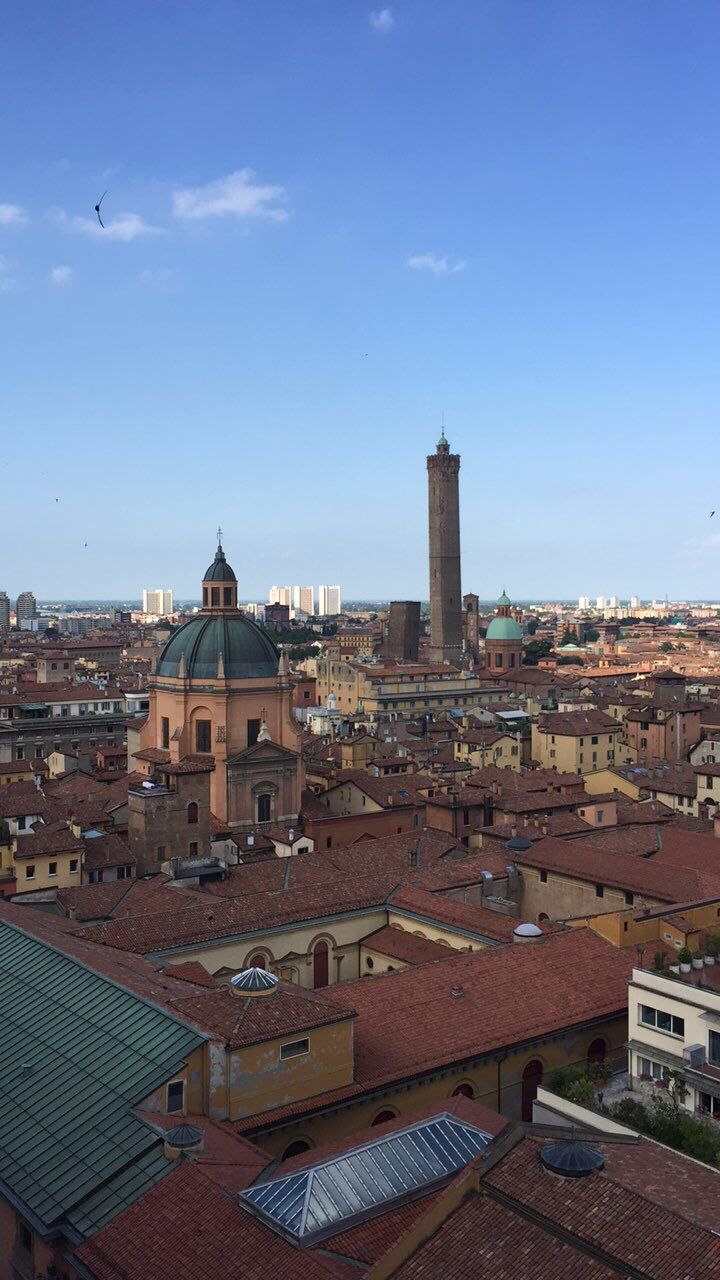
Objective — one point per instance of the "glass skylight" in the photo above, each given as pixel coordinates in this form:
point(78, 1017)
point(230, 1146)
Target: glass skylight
point(325, 1198)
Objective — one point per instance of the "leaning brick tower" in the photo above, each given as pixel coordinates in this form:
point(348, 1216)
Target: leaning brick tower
point(444, 538)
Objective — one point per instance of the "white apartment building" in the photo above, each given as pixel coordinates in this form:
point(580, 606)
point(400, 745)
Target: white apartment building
point(303, 598)
point(328, 601)
point(583, 602)
point(158, 602)
point(674, 1024)
point(280, 595)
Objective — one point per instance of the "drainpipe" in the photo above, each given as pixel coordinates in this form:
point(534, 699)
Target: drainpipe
point(499, 1086)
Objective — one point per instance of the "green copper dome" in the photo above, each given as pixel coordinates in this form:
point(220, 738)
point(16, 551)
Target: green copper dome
point(504, 601)
point(247, 652)
point(504, 629)
point(219, 570)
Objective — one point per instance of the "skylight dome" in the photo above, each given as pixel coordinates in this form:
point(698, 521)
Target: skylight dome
point(324, 1198)
point(253, 982)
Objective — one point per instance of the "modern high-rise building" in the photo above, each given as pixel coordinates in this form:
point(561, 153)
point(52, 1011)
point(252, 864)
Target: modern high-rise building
point(600, 602)
point(4, 611)
point(159, 602)
point(444, 539)
point(303, 598)
point(26, 607)
point(328, 601)
point(583, 602)
point(613, 602)
point(634, 602)
point(280, 595)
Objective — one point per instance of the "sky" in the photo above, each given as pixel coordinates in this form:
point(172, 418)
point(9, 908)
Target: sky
point(330, 225)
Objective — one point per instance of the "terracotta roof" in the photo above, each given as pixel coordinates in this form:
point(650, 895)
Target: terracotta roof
point(242, 1021)
point(47, 841)
point(478, 921)
point(576, 724)
point(585, 860)
point(106, 850)
point(410, 1021)
point(188, 1227)
point(400, 944)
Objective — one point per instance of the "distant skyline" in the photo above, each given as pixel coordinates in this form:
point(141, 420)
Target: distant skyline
point(327, 226)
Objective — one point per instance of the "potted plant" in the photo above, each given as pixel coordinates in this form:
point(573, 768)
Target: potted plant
point(712, 947)
point(674, 968)
point(698, 960)
point(685, 959)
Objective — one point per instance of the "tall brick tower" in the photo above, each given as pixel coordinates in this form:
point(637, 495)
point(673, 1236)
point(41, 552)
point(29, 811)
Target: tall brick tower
point(444, 521)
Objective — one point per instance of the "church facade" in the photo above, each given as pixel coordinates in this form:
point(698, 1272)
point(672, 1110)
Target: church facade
point(221, 694)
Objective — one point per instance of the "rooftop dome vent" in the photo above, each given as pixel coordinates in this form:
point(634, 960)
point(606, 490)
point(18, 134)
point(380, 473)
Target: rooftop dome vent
point(184, 1137)
point(571, 1159)
point(253, 982)
point(518, 844)
point(527, 932)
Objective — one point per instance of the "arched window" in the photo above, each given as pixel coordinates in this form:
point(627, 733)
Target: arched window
point(463, 1091)
point(205, 597)
point(597, 1051)
point(531, 1081)
point(295, 1149)
point(320, 964)
point(192, 811)
point(382, 1117)
point(543, 915)
point(263, 807)
point(256, 962)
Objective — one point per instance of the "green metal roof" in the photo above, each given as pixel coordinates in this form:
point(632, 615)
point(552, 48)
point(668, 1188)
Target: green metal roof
point(77, 1053)
point(247, 651)
point(504, 629)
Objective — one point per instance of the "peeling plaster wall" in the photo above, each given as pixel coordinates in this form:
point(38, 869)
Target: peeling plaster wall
point(260, 1080)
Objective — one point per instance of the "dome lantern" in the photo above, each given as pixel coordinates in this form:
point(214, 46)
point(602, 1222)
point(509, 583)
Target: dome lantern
point(219, 583)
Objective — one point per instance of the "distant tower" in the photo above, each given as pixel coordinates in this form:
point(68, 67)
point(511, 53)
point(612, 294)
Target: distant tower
point(403, 630)
point(26, 607)
point(4, 611)
point(444, 521)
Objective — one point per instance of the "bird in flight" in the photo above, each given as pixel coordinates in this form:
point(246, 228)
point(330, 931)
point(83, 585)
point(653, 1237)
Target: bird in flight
point(97, 209)
point(712, 513)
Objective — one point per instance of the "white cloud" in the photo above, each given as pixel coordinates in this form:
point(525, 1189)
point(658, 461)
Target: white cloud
point(382, 19)
point(12, 215)
point(438, 266)
point(61, 275)
point(124, 227)
point(238, 194)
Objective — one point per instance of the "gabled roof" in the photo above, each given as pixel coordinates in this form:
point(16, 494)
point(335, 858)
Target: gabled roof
point(77, 1053)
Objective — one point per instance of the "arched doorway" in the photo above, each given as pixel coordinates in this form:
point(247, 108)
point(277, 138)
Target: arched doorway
point(382, 1117)
point(192, 811)
point(597, 1051)
point(320, 964)
point(296, 1148)
point(463, 1091)
point(531, 1081)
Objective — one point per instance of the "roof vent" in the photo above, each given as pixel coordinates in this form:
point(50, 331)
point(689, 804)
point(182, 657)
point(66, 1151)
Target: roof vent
point(571, 1159)
point(518, 844)
point(527, 932)
point(253, 982)
point(182, 1137)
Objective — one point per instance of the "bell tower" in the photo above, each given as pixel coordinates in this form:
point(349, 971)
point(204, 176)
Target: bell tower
point(444, 543)
point(219, 588)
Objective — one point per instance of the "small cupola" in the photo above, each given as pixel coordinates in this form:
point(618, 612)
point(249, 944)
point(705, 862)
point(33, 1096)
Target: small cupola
point(254, 982)
point(219, 592)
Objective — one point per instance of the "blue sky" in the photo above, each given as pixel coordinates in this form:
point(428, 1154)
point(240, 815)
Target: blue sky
point(328, 223)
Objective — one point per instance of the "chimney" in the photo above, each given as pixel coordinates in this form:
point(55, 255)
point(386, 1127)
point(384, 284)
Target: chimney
point(545, 828)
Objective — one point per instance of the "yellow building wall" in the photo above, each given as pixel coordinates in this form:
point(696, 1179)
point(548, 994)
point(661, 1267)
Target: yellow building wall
point(565, 1050)
point(444, 934)
point(622, 930)
point(603, 780)
point(570, 754)
point(260, 1080)
point(64, 879)
point(342, 936)
point(563, 896)
point(505, 754)
point(194, 1075)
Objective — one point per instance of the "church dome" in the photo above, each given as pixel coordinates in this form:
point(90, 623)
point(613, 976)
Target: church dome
point(247, 652)
point(504, 629)
point(219, 570)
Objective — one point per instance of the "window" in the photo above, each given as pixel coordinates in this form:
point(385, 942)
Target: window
point(22, 823)
point(123, 873)
point(202, 735)
point(19, 753)
point(227, 596)
point(668, 1023)
point(161, 851)
point(646, 1067)
point(263, 807)
point(296, 1148)
point(629, 899)
point(73, 866)
point(582, 743)
point(205, 597)
point(711, 1104)
point(599, 891)
point(294, 1049)
point(30, 871)
point(466, 817)
point(253, 732)
point(600, 812)
point(38, 753)
point(215, 595)
point(165, 732)
point(95, 877)
point(52, 868)
point(176, 1095)
point(714, 1047)
point(192, 811)
point(543, 877)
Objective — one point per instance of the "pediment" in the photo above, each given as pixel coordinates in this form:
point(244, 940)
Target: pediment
point(263, 753)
